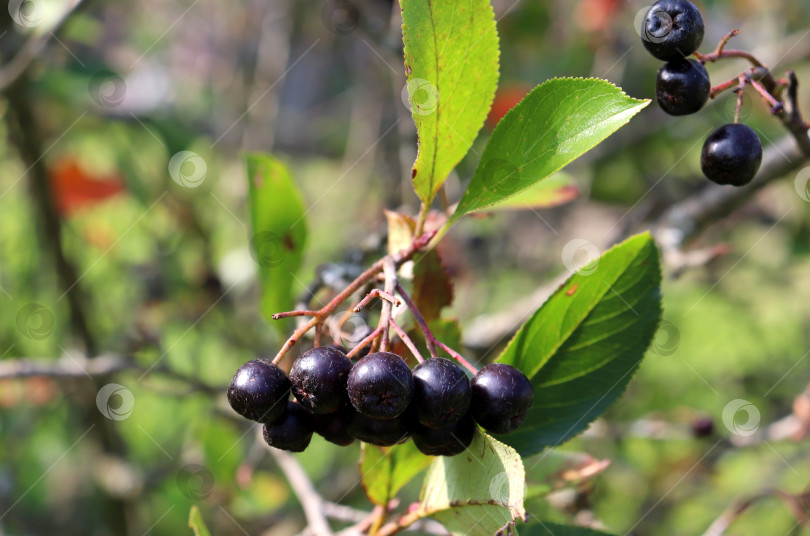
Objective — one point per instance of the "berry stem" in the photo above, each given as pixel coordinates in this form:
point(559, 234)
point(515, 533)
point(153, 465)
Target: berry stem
point(407, 340)
point(420, 321)
point(775, 105)
point(353, 287)
point(738, 109)
point(365, 342)
point(457, 356)
point(390, 271)
point(375, 293)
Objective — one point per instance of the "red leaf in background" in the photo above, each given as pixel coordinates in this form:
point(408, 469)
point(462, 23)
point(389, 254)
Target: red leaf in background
point(595, 15)
point(74, 188)
point(505, 100)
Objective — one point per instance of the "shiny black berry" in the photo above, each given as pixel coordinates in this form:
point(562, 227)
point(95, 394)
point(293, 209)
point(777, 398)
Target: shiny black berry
point(319, 378)
point(383, 433)
point(334, 427)
point(672, 29)
point(441, 394)
point(293, 431)
point(380, 385)
point(501, 397)
point(682, 87)
point(731, 155)
point(447, 441)
point(259, 391)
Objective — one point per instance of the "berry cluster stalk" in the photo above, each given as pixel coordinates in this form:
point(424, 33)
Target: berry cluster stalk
point(346, 293)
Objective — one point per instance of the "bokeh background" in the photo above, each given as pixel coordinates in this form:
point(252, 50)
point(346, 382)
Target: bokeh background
point(125, 235)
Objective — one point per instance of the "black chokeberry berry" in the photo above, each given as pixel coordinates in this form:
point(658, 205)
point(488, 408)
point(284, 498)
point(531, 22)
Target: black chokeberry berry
point(501, 397)
point(731, 155)
point(383, 433)
point(702, 427)
point(447, 441)
point(441, 394)
point(672, 29)
point(380, 385)
point(334, 427)
point(682, 87)
point(259, 391)
point(319, 378)
point(293, 431)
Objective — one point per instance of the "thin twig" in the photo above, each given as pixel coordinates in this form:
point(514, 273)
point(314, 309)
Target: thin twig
point(365, 342)
point(353, 287)
point(310, 499)
point(390, 271)
point(457, 356)
point(407, 340)
point(420, 321)
point(294, 314)
point(375, 293)
point(722, 523)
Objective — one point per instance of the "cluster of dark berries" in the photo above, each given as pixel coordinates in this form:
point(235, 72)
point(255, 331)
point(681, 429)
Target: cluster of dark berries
point(379, 400)
point(673, 30)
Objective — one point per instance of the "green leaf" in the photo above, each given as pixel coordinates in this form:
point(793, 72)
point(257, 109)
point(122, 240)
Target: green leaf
point(196, 523)
point(279, 232)
point(556, 190)
point(477, 492)
point(554, 124)
point(384, 471)
point(451, 62)
point(581, 348)
point(552, 529)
